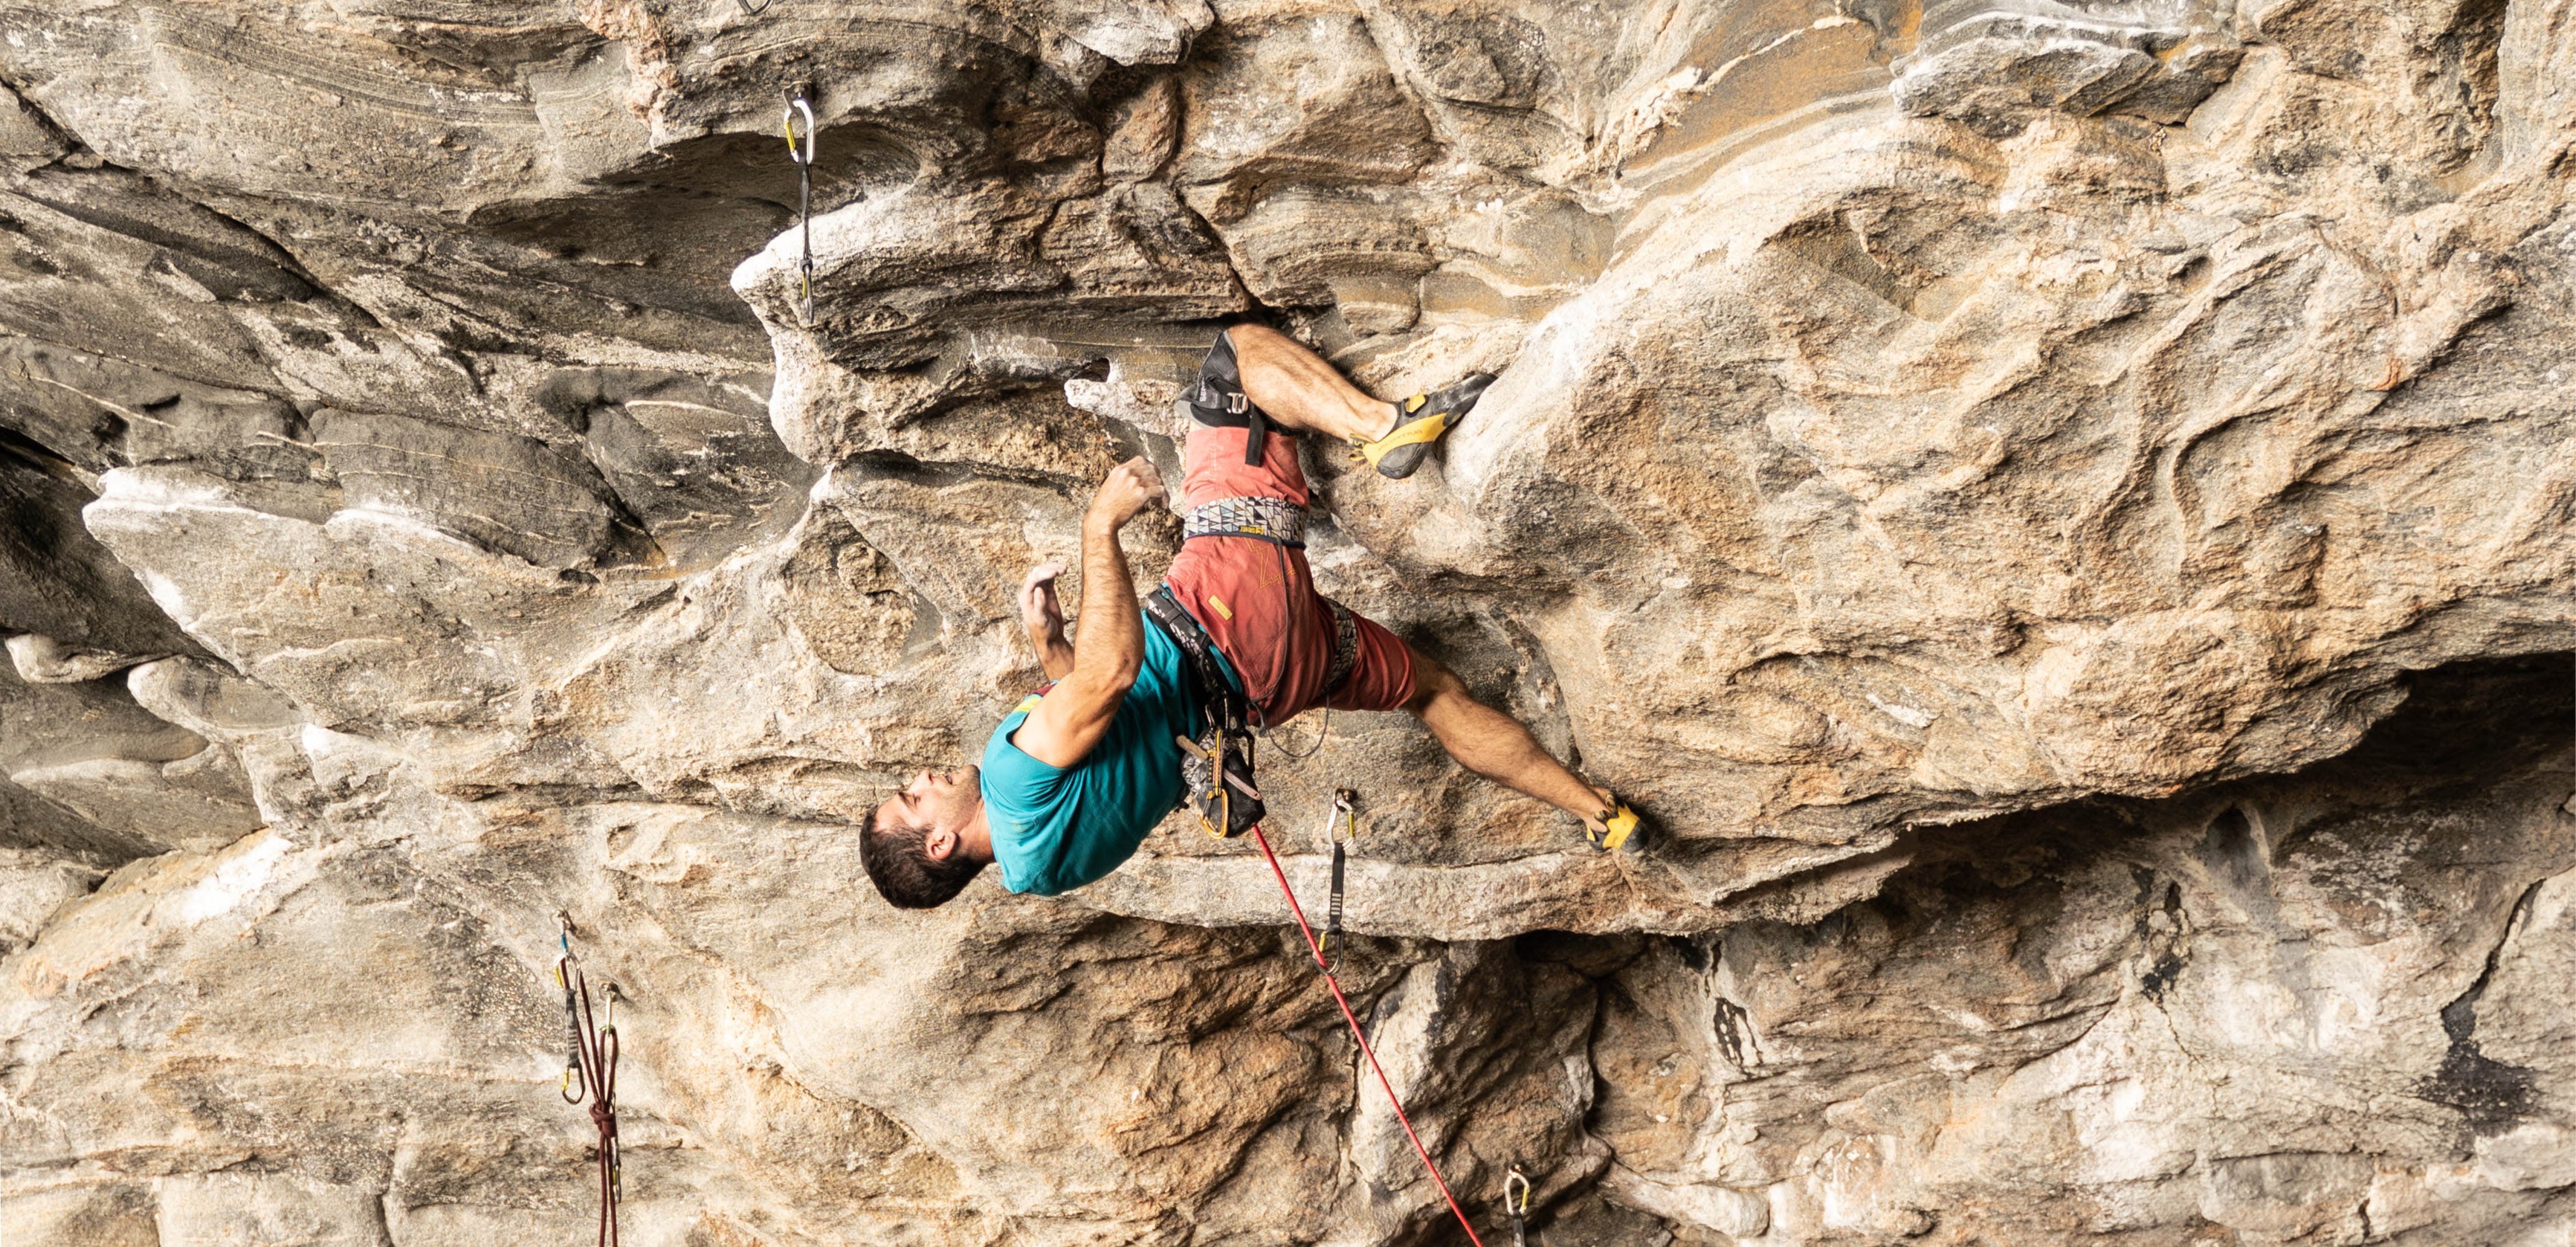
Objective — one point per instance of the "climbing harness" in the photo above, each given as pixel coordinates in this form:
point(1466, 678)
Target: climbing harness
point(1326, 969)
point(1282, 523)
point(1342, 828)
point(802, 152)
point(1275, 520)
point(1516, 1197)
point(1217, 764)
point(590, 1073)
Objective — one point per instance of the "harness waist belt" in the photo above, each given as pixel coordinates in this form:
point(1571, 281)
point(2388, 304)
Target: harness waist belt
point(1275, 520)
point(1208, 687)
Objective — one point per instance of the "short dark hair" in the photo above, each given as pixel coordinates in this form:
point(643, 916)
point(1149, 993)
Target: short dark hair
point(900, 865)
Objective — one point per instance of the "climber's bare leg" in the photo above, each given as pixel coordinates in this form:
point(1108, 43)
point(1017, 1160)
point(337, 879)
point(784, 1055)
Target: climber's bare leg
point(1295, 387)
point(1494, 744)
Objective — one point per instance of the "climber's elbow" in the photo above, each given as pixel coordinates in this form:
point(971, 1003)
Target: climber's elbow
point(1104, 677)
point(1117, 675)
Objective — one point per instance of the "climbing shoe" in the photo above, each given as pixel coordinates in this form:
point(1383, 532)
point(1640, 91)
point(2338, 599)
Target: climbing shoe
point(1619, 829)
point(1419, 421)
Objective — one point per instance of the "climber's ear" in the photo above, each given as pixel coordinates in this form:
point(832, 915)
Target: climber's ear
point(939, 844)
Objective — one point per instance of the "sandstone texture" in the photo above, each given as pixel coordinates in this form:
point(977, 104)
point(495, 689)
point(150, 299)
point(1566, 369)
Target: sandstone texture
point(2061, 508)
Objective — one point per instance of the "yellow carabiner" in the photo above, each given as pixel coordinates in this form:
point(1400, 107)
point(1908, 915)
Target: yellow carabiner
point(1516, 1181)
point(1224, 812)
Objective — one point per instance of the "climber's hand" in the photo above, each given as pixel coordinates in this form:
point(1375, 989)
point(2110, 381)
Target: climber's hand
point(1132, 486)
point(1042, 614)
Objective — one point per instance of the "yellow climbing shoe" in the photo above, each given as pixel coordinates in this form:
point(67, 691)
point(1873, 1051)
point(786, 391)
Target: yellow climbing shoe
point(1619, 829)
point(1419, 421)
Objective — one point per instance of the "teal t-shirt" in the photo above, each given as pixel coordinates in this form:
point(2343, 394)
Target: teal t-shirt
point(1054, 829)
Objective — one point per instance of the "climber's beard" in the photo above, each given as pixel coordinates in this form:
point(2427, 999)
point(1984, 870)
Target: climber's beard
point(954, 797)
point(935, 801)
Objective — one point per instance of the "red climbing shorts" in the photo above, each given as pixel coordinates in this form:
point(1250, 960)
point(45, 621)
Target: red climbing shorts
point(1258, 601)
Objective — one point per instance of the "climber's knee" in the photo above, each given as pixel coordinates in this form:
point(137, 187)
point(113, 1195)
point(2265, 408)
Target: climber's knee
point(1254, 337)
point(1432, 683)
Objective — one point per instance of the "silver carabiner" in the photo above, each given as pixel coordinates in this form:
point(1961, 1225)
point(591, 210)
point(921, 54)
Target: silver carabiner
point(1342, 822)
point(800, 151)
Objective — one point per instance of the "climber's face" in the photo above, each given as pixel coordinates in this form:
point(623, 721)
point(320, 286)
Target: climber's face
point(940, 805)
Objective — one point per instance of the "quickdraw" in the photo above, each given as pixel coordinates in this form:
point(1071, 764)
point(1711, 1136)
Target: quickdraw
point(572, 1079)
point(802, 152)
point(1342, 828)
point(1516, 1201)
point(590, 1073)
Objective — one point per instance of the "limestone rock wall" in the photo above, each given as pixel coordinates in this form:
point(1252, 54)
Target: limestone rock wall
point(2061, 508)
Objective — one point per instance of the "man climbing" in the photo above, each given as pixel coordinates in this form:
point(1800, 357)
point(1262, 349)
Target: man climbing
point(1075, 777)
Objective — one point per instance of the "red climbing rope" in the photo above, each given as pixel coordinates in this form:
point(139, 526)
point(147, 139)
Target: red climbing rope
point(1371, 1053)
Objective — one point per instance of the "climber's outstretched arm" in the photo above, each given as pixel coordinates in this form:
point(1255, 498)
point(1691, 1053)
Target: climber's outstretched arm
point(1110, 645)
point(1494, 744)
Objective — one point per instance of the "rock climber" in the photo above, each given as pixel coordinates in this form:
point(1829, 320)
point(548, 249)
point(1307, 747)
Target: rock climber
point(1079, 772)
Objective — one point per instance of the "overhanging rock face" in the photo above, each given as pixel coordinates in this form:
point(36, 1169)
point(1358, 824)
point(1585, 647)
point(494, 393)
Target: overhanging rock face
point(2062, 509)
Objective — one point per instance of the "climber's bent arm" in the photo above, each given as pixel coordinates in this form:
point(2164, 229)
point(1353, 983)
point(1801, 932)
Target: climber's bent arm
point(1109, 645)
